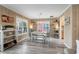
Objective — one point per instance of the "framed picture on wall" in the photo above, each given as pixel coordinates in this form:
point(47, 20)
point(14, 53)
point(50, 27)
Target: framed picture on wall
point(7, 19)
point(4, 18)
point(67, 20)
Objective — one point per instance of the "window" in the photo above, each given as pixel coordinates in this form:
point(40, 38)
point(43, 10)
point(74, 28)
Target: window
point(21, 25)
point(43, 26)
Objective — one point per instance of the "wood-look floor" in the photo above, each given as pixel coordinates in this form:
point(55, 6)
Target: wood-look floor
point(35, 47)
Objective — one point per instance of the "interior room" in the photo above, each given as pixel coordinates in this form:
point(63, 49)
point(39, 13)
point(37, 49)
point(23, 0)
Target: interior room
point(39, 29)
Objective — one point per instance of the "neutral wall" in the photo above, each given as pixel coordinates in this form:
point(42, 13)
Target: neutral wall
point(10, 13)
point(68, 28)
point(75, 25)
point(71, 31)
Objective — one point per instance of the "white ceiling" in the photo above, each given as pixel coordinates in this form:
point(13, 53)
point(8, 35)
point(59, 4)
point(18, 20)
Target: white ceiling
point(33, 10)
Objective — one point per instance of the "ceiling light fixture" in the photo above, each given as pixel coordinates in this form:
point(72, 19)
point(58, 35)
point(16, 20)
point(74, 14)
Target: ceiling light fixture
point(40, 15)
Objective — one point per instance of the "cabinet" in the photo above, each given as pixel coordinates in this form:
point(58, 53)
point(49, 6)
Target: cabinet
point(7, 32)
point(77, 49)
point(54, 28)
point(8, 39)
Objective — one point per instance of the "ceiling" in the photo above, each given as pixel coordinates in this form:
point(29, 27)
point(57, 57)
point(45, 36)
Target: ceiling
point(35, 11)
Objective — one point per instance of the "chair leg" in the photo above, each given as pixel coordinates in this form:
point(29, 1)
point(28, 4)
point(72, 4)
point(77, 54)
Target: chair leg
point(44, 40)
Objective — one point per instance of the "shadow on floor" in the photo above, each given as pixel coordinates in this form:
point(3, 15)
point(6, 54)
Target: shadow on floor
point(55, 46)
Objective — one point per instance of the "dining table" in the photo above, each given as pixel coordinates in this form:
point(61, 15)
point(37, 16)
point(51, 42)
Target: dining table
point(38, 36)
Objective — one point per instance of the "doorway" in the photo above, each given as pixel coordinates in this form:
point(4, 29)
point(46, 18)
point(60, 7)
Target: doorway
point(62, 28)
